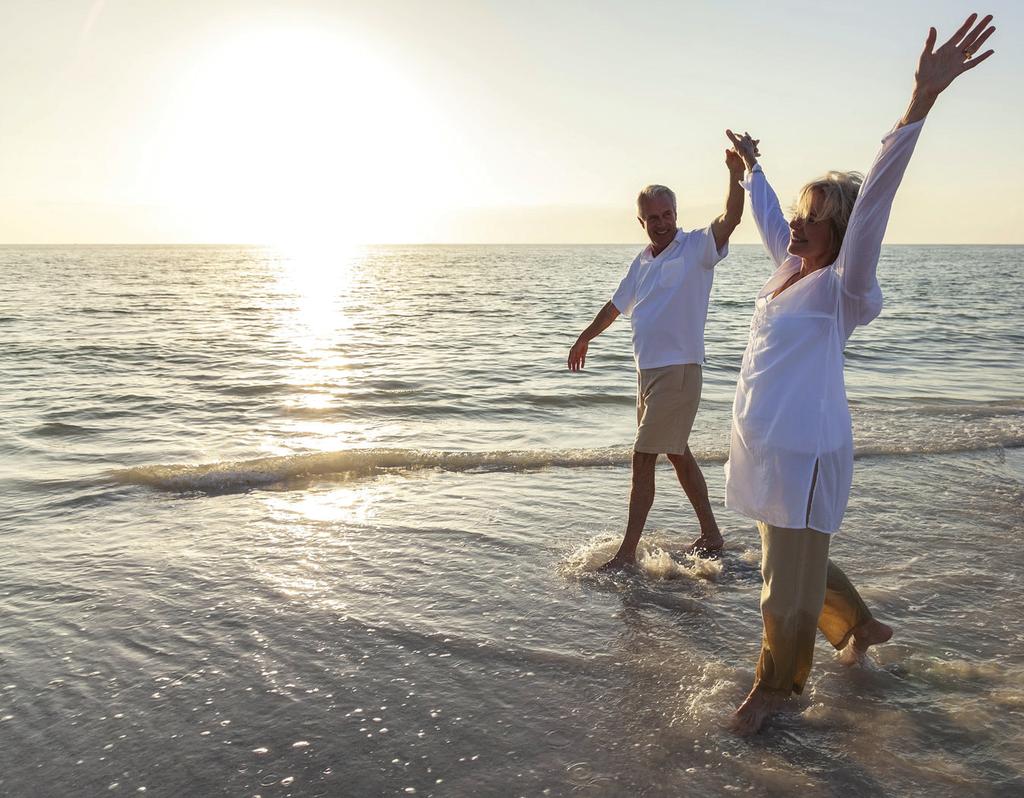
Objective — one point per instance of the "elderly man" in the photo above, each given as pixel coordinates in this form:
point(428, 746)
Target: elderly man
point(665, 296)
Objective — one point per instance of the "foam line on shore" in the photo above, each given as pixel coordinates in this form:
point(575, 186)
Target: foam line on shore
point(264, 471)
point(236, 475)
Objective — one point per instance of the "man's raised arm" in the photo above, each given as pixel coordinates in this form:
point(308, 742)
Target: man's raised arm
point(723, 226)
point(578, 353)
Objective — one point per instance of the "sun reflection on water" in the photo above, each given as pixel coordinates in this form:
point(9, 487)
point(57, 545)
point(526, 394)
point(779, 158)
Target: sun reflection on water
point(314, 534)
point(352, 505)
point(318, 283)
point(314, 289)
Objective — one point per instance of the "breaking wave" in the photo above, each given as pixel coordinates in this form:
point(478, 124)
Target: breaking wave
point(240, 475)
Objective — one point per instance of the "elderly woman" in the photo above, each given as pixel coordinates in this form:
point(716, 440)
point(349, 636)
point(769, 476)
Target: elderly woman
point(791, 454)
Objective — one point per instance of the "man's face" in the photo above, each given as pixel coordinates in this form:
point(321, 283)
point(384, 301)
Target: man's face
point(658, 218)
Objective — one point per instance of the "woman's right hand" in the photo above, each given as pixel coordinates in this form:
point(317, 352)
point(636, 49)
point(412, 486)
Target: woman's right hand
point(746, 147)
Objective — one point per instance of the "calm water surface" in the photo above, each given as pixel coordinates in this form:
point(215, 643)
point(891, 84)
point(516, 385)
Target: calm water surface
point(328, 526)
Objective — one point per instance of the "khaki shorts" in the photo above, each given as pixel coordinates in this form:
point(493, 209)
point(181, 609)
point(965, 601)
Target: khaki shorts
point(666, 404)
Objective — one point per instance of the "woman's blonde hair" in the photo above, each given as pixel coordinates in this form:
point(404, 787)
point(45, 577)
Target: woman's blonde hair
point(838, 194)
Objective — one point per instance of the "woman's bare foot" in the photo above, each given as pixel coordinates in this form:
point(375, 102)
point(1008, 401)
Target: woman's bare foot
point(870, 634)
point(755, 710)
point(864, 636)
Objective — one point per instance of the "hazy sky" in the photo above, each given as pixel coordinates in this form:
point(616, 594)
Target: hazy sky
point(477, 120)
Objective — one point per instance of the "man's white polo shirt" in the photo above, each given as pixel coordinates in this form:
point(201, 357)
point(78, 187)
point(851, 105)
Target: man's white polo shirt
point(666, 299)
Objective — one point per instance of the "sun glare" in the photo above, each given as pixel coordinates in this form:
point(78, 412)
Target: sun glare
point(316, 284)
point(300, 139)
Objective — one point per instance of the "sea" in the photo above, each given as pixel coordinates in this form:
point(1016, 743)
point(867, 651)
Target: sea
point(328, 524)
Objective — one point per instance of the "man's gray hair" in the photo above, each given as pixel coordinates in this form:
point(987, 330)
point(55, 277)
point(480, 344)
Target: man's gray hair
point(652, 191)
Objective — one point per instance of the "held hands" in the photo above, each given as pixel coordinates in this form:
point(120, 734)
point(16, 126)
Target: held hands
point(745, 148)
point(936, 69)
point(578, 355)
point(734, 163)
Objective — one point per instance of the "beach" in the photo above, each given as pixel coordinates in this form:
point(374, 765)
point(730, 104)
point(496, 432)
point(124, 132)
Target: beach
point(329, 525)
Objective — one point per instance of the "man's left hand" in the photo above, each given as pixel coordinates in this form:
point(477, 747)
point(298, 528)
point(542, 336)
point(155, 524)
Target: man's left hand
point(734, 161)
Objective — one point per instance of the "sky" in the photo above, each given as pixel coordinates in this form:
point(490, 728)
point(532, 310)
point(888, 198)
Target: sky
point(477, 121)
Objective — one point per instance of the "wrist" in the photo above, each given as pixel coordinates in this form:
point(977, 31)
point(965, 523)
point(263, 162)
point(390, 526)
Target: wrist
point(923, 98)
point(924, 93)
point(921, 102)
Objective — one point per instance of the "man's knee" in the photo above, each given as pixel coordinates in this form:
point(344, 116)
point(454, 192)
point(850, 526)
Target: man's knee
point(644, 459)
point(643, 467)
point(686, 469)
point(679, 459)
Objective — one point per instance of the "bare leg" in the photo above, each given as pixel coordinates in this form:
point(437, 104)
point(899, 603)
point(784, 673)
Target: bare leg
point(641, 497)
point(692, 480)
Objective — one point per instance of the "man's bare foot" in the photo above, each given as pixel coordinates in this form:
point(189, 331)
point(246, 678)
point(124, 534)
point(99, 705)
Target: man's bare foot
point(707, 544)
point(755, 710)
point(617, 563)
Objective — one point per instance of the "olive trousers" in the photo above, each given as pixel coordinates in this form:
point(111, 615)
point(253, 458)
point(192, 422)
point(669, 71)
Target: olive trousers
point(803, 591)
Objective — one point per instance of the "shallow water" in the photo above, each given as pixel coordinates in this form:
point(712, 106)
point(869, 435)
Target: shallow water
point(277, 531)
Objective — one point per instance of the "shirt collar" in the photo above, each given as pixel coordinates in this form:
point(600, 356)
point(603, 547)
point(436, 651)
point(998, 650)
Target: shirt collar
point(647, 256)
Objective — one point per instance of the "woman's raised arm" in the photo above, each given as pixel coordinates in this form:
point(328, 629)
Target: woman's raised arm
point(764, 204)
point(936, 70)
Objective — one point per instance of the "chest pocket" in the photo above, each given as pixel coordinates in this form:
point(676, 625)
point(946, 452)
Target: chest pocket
point(673, 271)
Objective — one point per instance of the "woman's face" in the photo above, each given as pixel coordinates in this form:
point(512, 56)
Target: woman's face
point(809, 237)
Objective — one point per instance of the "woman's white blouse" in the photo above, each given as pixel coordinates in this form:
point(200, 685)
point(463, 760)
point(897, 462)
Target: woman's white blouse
point(791, 428)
